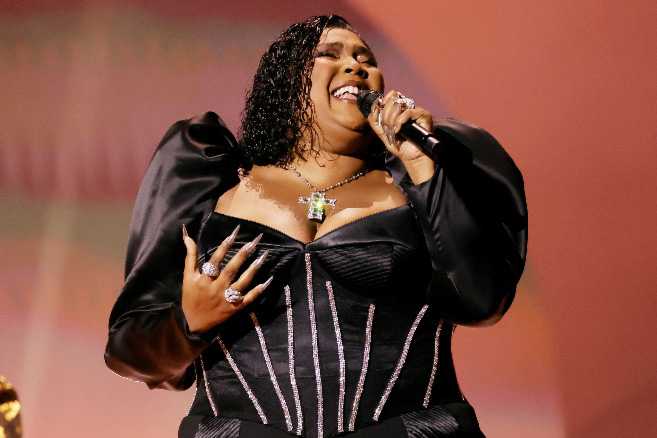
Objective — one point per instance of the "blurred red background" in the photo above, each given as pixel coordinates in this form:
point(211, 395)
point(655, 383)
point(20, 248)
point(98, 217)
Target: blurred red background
point(568, 88)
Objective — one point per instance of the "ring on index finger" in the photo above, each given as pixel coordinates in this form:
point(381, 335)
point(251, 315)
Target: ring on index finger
point(209, 269)
point(405, 101)
point(233, 296)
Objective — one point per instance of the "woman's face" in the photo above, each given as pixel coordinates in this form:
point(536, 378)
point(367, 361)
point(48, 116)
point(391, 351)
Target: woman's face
point(343, 66)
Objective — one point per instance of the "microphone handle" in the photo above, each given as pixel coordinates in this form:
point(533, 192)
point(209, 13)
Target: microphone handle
point(423, 138)
point(410, 130)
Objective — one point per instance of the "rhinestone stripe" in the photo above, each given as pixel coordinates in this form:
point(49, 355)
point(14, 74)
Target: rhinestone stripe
point(338, 338)
point(434, 367)
point(363, 371)
point(245, 385)
point(290, 354)
point(270, 368)
point(313, 333)
point(207, 388)
point(400, 363)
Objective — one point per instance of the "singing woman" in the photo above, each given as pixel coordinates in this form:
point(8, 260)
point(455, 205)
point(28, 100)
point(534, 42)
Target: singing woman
point(308, 278)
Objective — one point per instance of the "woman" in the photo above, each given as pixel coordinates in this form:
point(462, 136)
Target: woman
point(333, 262)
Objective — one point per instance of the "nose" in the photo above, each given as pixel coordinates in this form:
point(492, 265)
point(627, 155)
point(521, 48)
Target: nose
point(355, 67)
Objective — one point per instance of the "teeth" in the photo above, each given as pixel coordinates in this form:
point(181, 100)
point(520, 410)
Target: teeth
point(351, 89)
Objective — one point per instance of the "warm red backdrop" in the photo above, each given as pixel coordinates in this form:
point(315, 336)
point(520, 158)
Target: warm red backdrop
point(567, 87)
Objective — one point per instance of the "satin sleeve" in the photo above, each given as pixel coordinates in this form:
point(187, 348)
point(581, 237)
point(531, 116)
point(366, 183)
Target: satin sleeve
point(473, 215)
point(149, 339)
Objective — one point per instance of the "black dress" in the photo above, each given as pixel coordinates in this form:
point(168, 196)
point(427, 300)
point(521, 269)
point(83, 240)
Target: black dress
point(353, 335)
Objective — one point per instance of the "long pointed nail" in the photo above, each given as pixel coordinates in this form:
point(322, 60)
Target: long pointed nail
point(252, 244)
point(231, 237)
point(260, 259)
point(266, 283)
point(184, 231)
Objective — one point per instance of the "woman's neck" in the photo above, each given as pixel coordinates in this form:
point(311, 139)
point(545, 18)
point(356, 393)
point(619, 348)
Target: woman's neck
point(328, 168)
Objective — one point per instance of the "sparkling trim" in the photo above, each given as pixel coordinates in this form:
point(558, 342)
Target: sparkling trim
point(207, 387)
point(313, 333)
point(290, 354)
point(245, 385)
point(270, 368)
point(363, 371)
point(338, 338)
point(400, 363)
point(434, 367)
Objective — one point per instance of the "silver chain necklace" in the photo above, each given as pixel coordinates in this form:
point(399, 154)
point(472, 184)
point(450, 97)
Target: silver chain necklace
point(317, 201)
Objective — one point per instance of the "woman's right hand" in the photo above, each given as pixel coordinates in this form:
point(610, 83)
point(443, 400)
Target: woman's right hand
point(203, 301)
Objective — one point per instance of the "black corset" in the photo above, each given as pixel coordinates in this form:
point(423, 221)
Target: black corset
point(343, 337)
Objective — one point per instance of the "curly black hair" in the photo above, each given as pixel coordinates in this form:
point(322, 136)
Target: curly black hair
point(279, 111)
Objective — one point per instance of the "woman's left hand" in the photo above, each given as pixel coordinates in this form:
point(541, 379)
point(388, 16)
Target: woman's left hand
point(393, 115)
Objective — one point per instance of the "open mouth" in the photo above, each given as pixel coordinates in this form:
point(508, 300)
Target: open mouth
point(348, 93)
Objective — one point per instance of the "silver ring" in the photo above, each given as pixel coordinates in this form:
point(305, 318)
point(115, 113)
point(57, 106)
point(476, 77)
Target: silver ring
point(233, 296)
point(406, 101)
point(209, 269)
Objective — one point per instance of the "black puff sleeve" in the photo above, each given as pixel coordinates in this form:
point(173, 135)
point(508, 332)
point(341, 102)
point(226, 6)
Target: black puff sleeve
point(149, 339)
point(474, 216)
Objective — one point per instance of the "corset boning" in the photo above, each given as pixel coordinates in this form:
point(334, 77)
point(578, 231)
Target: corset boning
point(342, 338)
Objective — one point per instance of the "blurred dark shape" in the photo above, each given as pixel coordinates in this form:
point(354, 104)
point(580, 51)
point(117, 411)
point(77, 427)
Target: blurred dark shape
point(10, 411)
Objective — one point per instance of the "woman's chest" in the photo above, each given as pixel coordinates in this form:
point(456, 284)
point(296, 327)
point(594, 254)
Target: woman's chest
point(306, 215)
point(377, 256)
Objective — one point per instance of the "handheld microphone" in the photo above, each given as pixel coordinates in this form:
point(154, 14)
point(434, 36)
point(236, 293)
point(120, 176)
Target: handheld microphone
point(410, 130)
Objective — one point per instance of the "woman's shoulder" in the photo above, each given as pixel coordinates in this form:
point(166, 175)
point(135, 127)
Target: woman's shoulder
point(194, 163)
point(466, 142)
point(206, 133)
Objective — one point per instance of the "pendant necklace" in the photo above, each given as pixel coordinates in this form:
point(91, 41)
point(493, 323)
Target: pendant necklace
point(317, 200)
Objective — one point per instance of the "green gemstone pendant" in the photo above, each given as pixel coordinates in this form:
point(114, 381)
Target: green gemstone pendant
point(317, 203)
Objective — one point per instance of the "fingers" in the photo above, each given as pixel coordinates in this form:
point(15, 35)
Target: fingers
point(230, 270)
point(417, 114)
point(373, 119)
point(255, 293)
point(380, 113)
point(391, 109)
point(190, 258)
point(223, 248)
point(388, 118)
point(384, 119)
point(204, 300)
point(247, 276)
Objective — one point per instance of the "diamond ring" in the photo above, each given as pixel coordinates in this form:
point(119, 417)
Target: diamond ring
point(209, 269)
point(405, 101)
point(233, 296)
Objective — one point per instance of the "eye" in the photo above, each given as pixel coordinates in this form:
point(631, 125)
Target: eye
point(327, 53)
point(366, 60)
